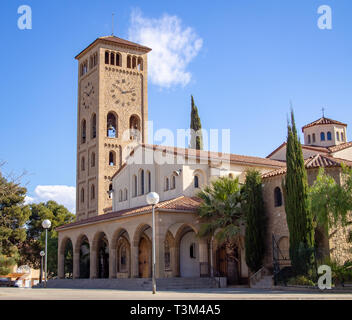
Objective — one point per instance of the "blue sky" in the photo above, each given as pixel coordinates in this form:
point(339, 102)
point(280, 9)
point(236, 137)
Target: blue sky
point(255, 56)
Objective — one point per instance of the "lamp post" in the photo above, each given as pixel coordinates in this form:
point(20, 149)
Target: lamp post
point(42, 254)
point(153, 199)
point(46, 224)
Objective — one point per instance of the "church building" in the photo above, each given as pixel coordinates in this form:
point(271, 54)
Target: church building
point(117, 168)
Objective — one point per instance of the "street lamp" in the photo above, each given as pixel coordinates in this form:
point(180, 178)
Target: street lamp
point(153, 199)
point(46, 224)
point(42, 254)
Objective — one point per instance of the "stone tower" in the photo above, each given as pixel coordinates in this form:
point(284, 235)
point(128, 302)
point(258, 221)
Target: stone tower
point(112, 115)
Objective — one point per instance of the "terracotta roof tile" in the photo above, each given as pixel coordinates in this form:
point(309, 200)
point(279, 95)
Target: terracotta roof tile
point(322, 121)
point(340, 147)
point(203, 154)
point(179, 204)
point(316, 161)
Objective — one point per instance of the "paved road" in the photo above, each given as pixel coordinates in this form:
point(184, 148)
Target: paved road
point(200, 294)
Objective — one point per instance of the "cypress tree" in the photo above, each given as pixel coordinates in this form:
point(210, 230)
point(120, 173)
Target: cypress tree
point(196, 126)
point(255, 220)
point(298, 214)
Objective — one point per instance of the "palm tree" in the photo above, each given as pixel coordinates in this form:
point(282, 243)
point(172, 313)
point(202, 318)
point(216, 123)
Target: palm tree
point(221, 216)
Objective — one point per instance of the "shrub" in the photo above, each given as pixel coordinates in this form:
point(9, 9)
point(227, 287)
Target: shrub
point(301, 281)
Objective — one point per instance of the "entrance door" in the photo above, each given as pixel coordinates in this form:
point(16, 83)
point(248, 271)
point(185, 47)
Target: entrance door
point(222, 261)
point(143, 259)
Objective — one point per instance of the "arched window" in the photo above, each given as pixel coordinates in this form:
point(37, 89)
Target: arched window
point(94, 126)
point(309, 142)
point(149, 182)
point(141, 182)
point(112, 58)
point(126, 194)
point(173, 182)
point(92, 160)
point(110, 191)
point(342, 137)
point(83, 131)
point(134, 127)
point(140, 64)
point(329, 135)
point(120, 195)
point(82, 195)
point(118, 59)
point(106, 57)
point(167, 184)
point(92, 192)
point(196, 181)
point(134, 63)
point(111, 125)
point(112, 158)
point(322, 136)
point(313, 136)
point(83, 164)
point(134, 186)
point(277, 197)
point(128, 61)
point(167, 254)
point(337, 136)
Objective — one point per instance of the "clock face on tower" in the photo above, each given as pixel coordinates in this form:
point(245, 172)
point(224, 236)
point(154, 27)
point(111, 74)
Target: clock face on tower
point(124, 92)
point(87, 95)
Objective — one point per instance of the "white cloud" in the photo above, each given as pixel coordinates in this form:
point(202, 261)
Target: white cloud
point(65, 195)
point(174, 46)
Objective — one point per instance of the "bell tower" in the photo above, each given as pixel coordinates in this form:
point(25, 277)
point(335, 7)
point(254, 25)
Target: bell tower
point(112, 114)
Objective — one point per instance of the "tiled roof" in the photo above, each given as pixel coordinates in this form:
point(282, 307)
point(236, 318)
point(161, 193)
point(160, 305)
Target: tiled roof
point(340, 147)
point(321, 121)
point(304, 146)
point(209, 155)
point(316, 161)
point(331, 149)
point(179, 204)
point(116, 40)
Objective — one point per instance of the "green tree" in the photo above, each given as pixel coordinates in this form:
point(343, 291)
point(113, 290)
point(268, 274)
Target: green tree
point(196, 126)
point(13, 217)
point(331, 202)
point(221, 214)
point(298, 214)
point(58, 215)
point(255, 220)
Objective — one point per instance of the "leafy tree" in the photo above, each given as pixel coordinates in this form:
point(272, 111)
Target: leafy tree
point(331, 204)
point(5, 264)
point(58, 215)
point(255, 220)
point(298, 214)
point(13, 217)
point(221, 214)
point(196, 126)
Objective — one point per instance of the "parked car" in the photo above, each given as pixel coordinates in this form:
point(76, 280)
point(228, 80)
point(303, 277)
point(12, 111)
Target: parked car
point(7, 282)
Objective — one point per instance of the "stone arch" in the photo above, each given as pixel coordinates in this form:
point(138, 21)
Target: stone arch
point(142, 242)
point(180, 254)
point(82, 252)
point(100, 249)
point(135, 127)
point(66, 257)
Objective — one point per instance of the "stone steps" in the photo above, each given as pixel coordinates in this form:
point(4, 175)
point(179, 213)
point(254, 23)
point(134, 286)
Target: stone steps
point(266, 282)
point(135, 283)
